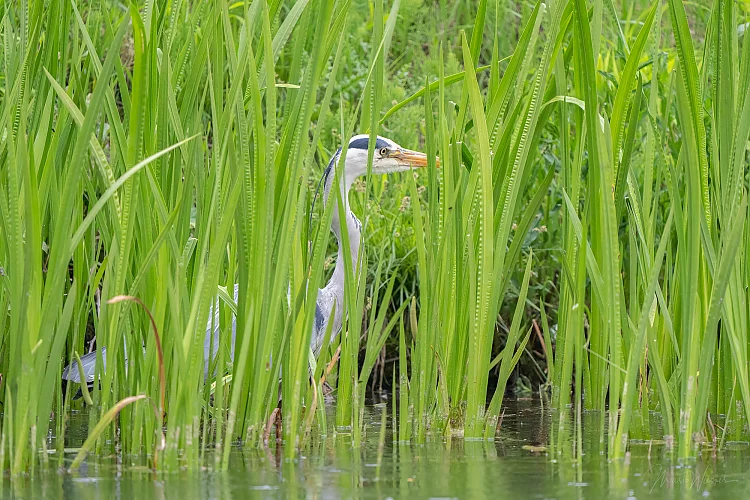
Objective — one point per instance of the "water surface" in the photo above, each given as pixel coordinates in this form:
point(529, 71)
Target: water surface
point(518, 464)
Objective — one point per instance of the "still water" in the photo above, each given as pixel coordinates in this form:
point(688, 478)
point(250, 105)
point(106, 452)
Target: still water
point(518, 464)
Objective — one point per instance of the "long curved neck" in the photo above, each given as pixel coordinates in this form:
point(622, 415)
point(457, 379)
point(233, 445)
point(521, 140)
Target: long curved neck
point(353, 233)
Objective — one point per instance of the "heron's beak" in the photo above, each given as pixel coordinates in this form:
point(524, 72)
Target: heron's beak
point(409, 158)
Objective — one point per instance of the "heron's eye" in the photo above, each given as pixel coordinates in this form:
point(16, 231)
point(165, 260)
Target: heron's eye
point(383, 152)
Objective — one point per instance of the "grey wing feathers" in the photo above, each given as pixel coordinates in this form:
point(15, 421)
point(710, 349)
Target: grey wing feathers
point(89, 366)
point(323, 306)
point(70, 372)
point(213, 314)
point(89, 360)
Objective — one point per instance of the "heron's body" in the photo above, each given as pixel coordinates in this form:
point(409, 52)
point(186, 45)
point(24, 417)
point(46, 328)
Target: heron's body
point(389, 157)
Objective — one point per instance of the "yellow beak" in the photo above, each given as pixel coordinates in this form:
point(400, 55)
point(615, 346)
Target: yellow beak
point(412, 158)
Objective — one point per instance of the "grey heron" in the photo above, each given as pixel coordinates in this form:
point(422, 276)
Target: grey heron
point(388, 157)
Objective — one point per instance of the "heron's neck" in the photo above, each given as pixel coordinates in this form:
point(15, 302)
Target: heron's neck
point(353, 233)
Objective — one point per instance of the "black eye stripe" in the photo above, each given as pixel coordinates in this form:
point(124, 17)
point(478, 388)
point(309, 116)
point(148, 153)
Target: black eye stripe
point(364, 142)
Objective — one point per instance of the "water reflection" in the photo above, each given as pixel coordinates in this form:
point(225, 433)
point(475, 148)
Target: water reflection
point(517, 464)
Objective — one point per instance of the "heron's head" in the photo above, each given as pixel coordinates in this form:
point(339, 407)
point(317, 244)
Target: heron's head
point(388, 157)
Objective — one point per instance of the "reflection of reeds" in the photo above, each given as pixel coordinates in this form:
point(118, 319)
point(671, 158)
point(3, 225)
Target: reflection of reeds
point(182, 171)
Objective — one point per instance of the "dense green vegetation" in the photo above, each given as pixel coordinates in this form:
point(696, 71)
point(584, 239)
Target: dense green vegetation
point(586, 233)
